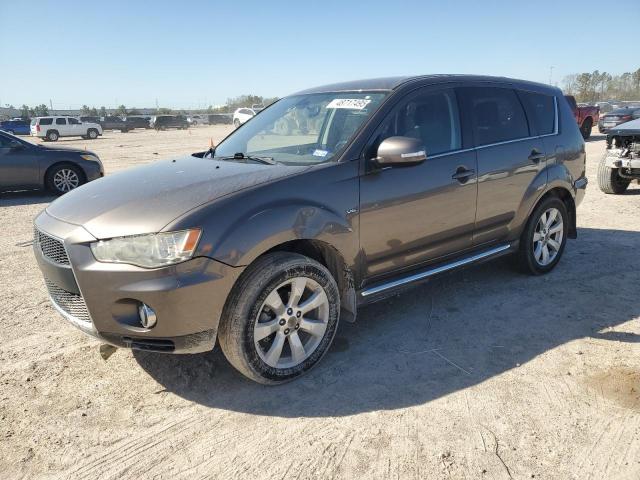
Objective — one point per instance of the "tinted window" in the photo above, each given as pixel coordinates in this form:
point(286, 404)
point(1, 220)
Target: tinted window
point(61, 121)
point(496, 114)
point(541, 110)
point(46, 121)
point(73, 121)
point(431, 117)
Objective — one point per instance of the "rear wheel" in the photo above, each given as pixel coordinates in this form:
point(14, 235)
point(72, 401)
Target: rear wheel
point(92, 133)
point(543, 240)
point(53, 136)
point(585, 129)
point(280, 318)
point(64, 178)
point(236, 123)
point(609, 180)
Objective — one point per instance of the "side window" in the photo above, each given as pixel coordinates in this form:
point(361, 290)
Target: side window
point(46, 121)
point(496, 114)
point(541, 110)
point(429, 116)
point(61, 121)
point(73, 121)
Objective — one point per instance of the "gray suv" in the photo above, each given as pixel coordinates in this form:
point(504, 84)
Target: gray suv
point(329, 199)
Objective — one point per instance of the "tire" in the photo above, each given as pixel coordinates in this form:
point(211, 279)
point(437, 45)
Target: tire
point(531, 260)
point(53, 135)
point(585, 129)
point(609, 180)
point(92, 133)
point(236, 123)
point(264, 283)
point(63, 178)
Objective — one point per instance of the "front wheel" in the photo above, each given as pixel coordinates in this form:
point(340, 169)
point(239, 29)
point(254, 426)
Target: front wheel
point(92, 133)
point(609, 180)
point(280, 318)
point(236, 123)
point(545, 235)
point(64, 178)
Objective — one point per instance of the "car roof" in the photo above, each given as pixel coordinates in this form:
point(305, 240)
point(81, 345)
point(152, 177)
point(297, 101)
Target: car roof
point(394, 83)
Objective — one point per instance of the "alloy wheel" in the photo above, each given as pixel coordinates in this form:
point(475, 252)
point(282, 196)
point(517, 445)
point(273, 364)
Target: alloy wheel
point(291, 322)
point(547, 237)
point(66, 180)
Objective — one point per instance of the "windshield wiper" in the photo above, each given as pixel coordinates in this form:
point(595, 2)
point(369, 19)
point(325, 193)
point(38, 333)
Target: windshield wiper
point(242, 156)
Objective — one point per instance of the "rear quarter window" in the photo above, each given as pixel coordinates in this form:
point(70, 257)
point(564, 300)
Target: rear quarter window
point(46, 121)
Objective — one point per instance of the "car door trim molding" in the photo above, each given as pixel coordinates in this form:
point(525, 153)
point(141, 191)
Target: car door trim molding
point(434, 271)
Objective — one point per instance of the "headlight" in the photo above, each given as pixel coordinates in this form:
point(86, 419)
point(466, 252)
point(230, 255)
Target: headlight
point(148, 251)
point(91, 158)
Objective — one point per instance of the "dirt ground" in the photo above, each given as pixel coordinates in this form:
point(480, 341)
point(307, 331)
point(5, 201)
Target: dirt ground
point(482, 374)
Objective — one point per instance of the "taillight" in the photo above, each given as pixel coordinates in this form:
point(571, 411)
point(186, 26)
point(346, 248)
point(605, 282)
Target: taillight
point(625, 117)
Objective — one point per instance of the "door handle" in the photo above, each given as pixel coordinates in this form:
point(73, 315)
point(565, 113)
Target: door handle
point(462, 174)
point(536, 156)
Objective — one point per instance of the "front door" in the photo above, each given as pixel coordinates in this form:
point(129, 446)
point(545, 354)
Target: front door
point(415, 214)
point(18, 164)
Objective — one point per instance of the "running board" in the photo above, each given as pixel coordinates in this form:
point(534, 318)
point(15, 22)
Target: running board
point(434, 271)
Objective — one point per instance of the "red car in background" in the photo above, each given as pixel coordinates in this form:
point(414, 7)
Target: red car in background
point(586, 116)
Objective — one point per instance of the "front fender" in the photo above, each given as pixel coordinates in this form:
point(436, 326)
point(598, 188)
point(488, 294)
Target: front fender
point(275, 224)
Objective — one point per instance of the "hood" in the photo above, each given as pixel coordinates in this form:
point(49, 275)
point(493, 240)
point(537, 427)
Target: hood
point(80, 151)
point(146, 198)
point(628, 128)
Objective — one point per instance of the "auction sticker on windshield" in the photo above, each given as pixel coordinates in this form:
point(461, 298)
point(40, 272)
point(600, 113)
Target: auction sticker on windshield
point(351, 103)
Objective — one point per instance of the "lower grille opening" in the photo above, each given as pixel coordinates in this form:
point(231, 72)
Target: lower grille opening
point(68, 302)
point(150, 344)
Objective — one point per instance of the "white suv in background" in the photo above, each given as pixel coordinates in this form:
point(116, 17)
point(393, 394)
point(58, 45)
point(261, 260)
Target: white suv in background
point(52, 128)
point(242, 115)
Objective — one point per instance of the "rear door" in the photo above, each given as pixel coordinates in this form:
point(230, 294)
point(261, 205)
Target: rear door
point(61, 126)
point(75, 127)
point(510, 158)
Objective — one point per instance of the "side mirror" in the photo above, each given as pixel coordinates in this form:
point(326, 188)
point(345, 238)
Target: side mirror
point(399, 151)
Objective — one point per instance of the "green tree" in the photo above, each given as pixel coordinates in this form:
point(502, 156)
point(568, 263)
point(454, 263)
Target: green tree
point(85, 110)
point(41, 110)
point(25, 111)
point(121, 110)
point(93, 112)
point(164, 111)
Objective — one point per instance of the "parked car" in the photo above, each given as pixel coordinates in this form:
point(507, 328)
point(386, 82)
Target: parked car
point(586, 116)
point(52, 128)
point(617, 117)
point(137, 122)
point(257, 107)
point(243, 115)
point(15, 127)
point(265, 245)
point(24, 165)
point(114, 123)
point(621, 163)
point(89, 119)
point(604, 107)
point(162, 122)
point(197, 120)
point(220, 118)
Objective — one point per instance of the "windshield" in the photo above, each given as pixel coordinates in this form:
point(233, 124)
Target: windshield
point(303, 129)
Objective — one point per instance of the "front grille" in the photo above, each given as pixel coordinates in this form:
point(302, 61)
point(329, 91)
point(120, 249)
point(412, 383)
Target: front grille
point(51, 248)
point(69, 302)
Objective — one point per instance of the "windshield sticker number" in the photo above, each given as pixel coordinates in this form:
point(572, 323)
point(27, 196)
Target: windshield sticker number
point(320, 153)
point(350, 103)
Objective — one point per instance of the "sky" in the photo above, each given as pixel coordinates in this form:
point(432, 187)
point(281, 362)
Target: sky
point(190, 54)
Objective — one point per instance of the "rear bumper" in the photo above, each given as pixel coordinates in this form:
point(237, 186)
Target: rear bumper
point(102, 299)
point(580, 186)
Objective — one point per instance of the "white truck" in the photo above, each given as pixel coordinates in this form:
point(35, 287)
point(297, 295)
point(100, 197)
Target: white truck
point(52, 128)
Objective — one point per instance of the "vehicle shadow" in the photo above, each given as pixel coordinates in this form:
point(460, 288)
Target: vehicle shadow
point(455, 332)
point(596, 137)
point(25, 197)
